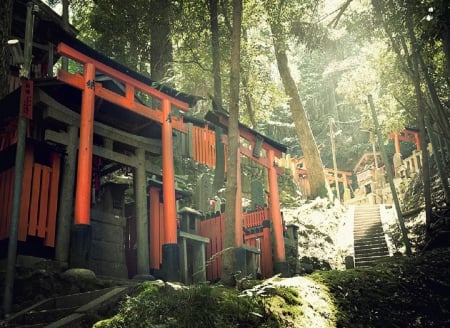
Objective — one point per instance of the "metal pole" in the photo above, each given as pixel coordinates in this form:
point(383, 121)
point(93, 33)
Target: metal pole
point(18, 173)
point(390, 178)
point(333, 152)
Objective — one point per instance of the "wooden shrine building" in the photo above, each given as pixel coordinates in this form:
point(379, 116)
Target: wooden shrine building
point(100, 119)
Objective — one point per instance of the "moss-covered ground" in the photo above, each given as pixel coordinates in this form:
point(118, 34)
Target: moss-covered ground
point(399, 292)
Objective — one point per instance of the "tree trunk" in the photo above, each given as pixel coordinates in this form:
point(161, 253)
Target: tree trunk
point(219, 173)
point(5, 29)
point(446, 34)
point(65, 19)
point(229, 266)
point(313, 162)
point(161, 54)
point(420, 118)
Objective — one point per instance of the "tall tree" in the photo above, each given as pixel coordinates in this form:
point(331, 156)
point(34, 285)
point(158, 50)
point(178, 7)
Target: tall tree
point(229, 265)
point(219, 173)
point(5, 33)
point(161, 53)
point(316, 176)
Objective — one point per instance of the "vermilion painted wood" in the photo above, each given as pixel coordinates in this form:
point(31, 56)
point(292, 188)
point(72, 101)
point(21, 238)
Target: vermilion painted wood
point(248, 153)
point(170, 214)
point(35, 196)
point(26, 193)
point(275, 214)
point(68, 51)
point(405, 135)
point(6, 180)
point(266, 254)
point(214, 229)
point(53, 200)
point(84, 165)
point(154, 228)
point(251, 138)
point(162, 227)
point(43, 201)
point(124, 102)
point(220, 239)
point(238, 220)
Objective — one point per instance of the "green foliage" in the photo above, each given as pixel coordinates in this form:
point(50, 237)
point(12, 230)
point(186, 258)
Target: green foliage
point(195, 306)
point(398, 292)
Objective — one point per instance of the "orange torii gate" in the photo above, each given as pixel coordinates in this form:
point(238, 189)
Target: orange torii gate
point(273, 149)
point(408, 135)
point(331, 175)
point(90, 90)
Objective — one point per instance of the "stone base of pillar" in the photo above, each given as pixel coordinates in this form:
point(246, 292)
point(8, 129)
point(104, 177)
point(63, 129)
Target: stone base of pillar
point(245, 258)
point(241, 262)
point(171, 262)
point(283, 268)
point(80, 246)
point(349, 262)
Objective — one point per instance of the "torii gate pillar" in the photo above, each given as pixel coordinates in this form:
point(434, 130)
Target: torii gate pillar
point(280, 264)
point(170, 250)
point(81, 232)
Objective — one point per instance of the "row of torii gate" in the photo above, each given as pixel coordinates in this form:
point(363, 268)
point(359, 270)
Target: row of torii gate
point(92, 90)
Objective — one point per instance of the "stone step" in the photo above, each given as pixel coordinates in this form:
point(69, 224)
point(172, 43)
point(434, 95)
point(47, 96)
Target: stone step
point(359, 254)
point(369, 242)
point(367, 215)
point(362, 248)
point(367, 228)
point(369, 234)
point(370, 239)
point(368, 262)
point(367, 219)
point(364, 223)
point(67, 310)
point(43, 316)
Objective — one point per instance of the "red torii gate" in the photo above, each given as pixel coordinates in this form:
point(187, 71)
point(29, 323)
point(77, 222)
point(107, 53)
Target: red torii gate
point(258, 142)
point(408, 135)
point(91, 89)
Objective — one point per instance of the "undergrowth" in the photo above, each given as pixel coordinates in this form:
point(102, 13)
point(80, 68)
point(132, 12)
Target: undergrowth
point(201, 305)
point(399, 292)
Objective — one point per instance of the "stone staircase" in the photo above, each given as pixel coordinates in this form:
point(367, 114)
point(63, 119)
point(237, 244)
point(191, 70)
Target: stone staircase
point(369, 240)
point(77, 310)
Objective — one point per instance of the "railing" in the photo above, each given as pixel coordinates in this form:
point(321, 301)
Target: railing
point(255, 219)
point(214, 229)
point(38, 205)
point(204, 146)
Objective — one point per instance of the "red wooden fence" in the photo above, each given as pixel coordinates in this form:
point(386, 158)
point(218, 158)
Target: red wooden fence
point(214, 229)
point(38, 205)
point(204, 146)
point(258, 237)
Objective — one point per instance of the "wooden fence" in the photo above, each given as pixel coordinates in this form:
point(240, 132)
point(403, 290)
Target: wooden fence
point(256, 234)
point(204, 146)
point(39, 199)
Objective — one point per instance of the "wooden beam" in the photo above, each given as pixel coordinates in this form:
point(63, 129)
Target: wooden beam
point(250, 137)
point(67, 51)
point(59, 112)
point(248, 153)
point(129, 160)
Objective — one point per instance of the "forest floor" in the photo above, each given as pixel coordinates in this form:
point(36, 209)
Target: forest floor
point(398, 292)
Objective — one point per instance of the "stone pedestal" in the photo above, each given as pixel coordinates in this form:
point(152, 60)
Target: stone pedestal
point(108, 222)
point(246, 260)
point(192, 257)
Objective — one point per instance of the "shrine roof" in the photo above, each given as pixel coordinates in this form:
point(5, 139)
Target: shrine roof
point(217, 117)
